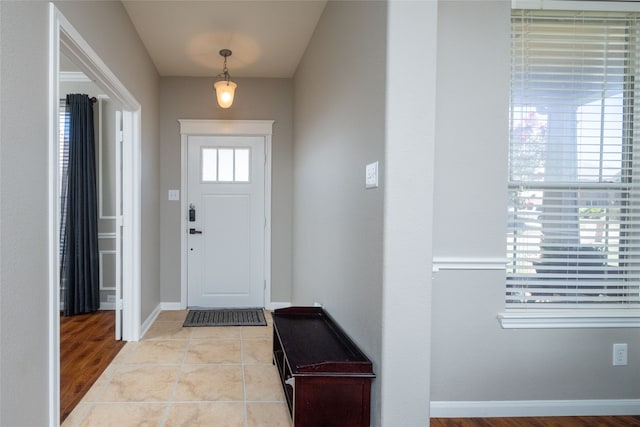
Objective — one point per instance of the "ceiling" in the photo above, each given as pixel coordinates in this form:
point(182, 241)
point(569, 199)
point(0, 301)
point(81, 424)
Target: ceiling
point(267, 37)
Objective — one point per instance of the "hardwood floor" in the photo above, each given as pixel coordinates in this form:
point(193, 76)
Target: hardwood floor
point(87, 346)
point(628, 421)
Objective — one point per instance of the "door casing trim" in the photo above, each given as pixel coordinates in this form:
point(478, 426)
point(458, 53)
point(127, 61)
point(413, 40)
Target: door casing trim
point(263, 128)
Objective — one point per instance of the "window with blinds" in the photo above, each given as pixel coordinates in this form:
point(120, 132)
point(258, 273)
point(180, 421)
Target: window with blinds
point(573, 234)
point(63, 162)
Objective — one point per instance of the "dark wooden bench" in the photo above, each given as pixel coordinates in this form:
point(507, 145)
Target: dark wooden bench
point(325, 377)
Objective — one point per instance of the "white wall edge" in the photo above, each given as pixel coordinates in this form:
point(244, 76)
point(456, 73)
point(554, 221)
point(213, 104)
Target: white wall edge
point(83, 55)
point(226, 127)
point(183, 220)
point(534, 408)
point(266, 259)
point(172, 306)
point(149, 321)
point(74, 77)
point(107, 235)
point(53, 390)
point(452, 263)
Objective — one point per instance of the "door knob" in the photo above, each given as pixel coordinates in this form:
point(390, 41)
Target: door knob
point(194, 231)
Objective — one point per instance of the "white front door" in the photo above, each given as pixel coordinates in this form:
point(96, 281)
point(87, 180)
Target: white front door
point(226, 221)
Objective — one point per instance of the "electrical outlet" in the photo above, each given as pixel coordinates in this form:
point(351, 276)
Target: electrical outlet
point(371, 175)
point(111, 298)
point(620, 354)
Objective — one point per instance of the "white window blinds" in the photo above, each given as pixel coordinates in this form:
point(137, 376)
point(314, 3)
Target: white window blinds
point(573, 236)
point(63, 161)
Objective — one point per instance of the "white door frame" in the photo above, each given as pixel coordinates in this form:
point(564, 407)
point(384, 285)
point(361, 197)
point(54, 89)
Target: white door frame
point(262, 128)
point(64, 38)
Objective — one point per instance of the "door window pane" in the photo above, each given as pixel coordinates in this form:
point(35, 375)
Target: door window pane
point(226, 164)
point(209, 164)
point(242, 165)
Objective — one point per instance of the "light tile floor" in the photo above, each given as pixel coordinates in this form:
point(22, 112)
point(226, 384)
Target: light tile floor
point(175, 376)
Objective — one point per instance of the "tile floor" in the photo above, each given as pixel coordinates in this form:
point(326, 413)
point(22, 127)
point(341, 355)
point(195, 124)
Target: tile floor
point(175, 376)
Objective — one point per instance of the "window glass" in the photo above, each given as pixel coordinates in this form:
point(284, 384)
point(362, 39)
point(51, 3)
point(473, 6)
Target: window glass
point(242, 165)
point(209, 164)
point(573, 234)
point(225, 164)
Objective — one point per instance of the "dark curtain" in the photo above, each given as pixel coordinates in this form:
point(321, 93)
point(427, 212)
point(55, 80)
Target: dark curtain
point(79, 269)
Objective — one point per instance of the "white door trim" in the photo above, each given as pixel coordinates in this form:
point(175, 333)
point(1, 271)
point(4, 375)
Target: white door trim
point(262, 128)
point(63, 37)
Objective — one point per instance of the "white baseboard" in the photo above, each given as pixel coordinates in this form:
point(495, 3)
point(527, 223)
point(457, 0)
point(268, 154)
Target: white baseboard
point(167, 306)
point(534, 408)
point(149, 320)
point(179, 306)
point(103, 306)
point(276, 305)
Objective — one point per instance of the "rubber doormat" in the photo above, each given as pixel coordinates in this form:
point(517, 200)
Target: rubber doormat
point(225, 317)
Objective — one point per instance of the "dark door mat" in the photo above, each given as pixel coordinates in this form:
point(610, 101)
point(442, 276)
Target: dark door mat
point(225, 317)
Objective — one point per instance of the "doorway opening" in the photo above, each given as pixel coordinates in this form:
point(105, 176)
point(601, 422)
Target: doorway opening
point(66, 41)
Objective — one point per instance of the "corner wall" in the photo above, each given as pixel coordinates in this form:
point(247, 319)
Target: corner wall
point(408, 212)
point(339, 126)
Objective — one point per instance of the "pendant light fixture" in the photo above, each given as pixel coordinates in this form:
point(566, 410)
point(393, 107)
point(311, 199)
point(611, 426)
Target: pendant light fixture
point(225, 88)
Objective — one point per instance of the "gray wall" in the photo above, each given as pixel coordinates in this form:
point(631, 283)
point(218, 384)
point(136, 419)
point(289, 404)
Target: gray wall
point(339, 120)
point(256, 99)
point(473, 358)
point(24, 306)
point(107, 28)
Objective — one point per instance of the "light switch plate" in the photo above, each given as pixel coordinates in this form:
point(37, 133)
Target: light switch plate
point(174, 194)
point(371, 175)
